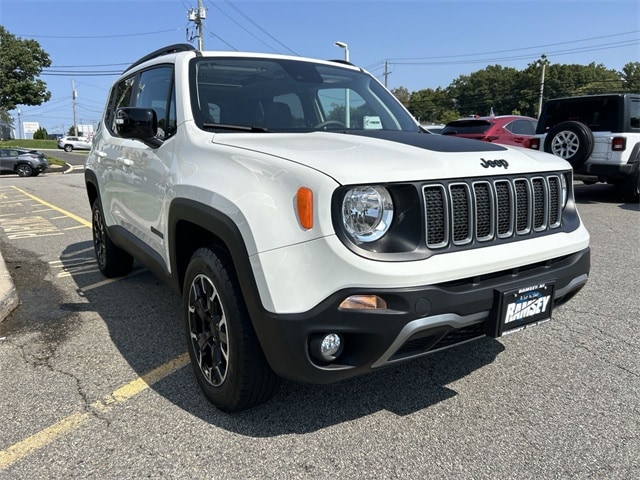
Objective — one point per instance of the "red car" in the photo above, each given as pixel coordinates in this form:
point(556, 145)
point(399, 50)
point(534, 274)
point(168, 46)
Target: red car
point(505, 129)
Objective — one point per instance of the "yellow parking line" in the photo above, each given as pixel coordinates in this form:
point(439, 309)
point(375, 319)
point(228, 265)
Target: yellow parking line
point(74, 421)
point(58, 209)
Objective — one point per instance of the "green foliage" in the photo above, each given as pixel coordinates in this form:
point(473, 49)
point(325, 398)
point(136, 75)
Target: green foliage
point(31, 144)
point(631, 77)
point(41, 134)
point(510, 91)
point(433, 106)
point(402, 94)
point(21, 61)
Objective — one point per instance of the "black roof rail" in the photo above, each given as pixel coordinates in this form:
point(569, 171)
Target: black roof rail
point(341, 61)
point(175, 48)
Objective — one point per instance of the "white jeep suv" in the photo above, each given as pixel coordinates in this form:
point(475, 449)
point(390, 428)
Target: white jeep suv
point(598, 134)
point(314, 231)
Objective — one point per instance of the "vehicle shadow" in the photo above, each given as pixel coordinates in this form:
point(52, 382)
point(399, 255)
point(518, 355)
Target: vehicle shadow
point(147, 330)
point(602, 193)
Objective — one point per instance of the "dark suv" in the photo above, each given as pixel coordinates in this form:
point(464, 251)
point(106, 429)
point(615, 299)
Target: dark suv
point(598, 134)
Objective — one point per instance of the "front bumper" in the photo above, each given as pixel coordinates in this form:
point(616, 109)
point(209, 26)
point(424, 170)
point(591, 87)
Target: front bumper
point(417, 321)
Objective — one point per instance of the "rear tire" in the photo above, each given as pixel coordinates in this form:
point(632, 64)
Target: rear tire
point(570, 140)
point(112, 260)
point(24, 170)
point(631, 187)
point(226, 356)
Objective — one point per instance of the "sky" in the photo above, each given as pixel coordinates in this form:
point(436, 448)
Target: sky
point(423, 43)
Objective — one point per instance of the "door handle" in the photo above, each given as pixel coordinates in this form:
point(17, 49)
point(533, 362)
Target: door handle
point(125, 161)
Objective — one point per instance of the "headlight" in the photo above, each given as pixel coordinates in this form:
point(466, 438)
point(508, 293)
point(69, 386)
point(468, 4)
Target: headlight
point(367, 213)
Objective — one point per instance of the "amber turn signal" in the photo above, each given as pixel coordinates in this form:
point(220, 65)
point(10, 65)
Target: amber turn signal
point(304, 202)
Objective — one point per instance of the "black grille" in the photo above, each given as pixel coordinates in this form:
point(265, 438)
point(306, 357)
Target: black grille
point(461, 212)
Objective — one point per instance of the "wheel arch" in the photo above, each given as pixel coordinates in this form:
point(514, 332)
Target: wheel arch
point(91, 183)
point(192, 225)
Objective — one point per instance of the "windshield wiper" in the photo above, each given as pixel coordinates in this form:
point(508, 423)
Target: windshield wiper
point(240, 128)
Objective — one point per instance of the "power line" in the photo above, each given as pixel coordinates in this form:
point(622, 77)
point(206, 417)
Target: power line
point(242, 27)
point(527, 56)
point(537, 47)
point(68, 37)
point(258, 26)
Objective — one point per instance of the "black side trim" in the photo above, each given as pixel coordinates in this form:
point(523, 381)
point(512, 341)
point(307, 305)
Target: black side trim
point(141, 251)
point(183, 214)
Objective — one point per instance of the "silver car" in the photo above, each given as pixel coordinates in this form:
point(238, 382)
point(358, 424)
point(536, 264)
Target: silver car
point(26, 163)
point(68, 144)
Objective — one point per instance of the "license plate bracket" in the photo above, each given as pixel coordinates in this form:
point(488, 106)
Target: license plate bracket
point(520, 308)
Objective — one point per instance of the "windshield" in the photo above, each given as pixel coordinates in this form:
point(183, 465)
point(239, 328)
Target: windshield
point(286, 95)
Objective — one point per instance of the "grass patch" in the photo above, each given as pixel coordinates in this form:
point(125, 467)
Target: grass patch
point(30, 144)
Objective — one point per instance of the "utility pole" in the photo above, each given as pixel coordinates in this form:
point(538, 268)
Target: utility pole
point(19, 124)
point(544, 64)
point(197, 15)
point(73, 101)
point(386, 72)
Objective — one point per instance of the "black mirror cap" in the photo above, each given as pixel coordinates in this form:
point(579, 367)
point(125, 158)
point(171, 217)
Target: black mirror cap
point(138, 124)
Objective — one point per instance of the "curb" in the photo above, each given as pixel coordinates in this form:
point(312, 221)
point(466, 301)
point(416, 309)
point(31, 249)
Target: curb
point(8, 293)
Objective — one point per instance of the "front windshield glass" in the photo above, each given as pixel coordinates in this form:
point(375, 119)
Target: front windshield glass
point(285, 95)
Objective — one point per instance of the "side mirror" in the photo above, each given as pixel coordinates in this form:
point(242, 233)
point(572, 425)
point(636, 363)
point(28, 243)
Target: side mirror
point(138, 124)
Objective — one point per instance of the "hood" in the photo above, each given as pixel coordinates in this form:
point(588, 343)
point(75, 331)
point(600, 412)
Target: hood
point(384, 156)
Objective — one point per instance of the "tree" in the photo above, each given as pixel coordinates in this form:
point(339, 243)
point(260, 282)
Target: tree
point(562, 80)
point(41, 134)
point(21, 61)
point(495, 87)
point(433, 106)
point(402, 94)
point(631, 77)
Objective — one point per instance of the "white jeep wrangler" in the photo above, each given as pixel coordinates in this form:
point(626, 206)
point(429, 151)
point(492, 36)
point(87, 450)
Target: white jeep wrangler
point(599, 135)
point(314, 231)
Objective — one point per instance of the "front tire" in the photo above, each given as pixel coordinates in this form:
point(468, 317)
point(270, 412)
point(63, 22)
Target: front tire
point(570, 140)
point(226, 356)
point(68, 148)
point(112, 260)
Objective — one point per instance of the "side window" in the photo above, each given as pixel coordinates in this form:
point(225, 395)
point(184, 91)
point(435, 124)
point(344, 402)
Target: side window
point(154, 90)
point(634, 113)
point(120, 97)
point(522, 127)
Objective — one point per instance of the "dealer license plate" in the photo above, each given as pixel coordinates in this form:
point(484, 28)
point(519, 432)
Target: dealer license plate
point(521, 308)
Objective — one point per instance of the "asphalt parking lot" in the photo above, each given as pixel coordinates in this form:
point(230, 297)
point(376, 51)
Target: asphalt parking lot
point(95, 382)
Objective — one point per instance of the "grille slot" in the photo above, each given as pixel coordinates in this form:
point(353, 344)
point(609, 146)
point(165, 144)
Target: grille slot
point(477, 210)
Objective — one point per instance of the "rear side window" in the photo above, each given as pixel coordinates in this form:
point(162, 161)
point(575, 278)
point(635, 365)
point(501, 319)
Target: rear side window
point(634, 113)
point(522, 127)
point(600, 114)
point(466, 127)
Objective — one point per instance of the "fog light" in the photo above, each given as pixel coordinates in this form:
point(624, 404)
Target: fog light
point(326, 346)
